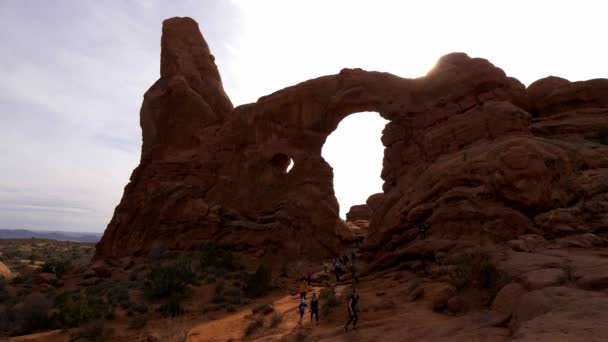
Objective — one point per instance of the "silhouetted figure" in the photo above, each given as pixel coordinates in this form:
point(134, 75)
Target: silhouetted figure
point(314, 307)
point(353, 310)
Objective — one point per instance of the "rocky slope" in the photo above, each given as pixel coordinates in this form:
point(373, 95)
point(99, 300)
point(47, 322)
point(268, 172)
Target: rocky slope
point(469, 150)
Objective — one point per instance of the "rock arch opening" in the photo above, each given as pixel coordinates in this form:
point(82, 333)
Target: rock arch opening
point(282, 163)
point(355, 152)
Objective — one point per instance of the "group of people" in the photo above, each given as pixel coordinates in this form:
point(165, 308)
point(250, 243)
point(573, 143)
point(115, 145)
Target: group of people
point(341, 264)
point(352, 307)
point(314, 307)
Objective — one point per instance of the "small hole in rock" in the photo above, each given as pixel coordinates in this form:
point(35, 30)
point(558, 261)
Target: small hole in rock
point(282, 162)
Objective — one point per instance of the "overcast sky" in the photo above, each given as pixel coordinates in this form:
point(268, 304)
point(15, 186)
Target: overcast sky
point(73, 74)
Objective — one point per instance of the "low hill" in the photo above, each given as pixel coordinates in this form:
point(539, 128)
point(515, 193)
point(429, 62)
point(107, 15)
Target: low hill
point(51, 235)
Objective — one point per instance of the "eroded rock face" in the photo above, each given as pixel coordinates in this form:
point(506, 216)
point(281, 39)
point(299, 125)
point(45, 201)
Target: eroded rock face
point(468, 150)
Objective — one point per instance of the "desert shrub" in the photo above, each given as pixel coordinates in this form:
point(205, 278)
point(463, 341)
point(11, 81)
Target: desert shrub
point(413, 284)
point(229, 308)
point(92, 332)
point(275, 320)
point(259, 282)
point(138, 322)
point(473, 270)
point(169, 280)
point(329, 299)
point(173, 306)
point(56, 266)
point(31, 315)
point(74, 309)
point(119, 295)
point(254, 326)
point(4, 295)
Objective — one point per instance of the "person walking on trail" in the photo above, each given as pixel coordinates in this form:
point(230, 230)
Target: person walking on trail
point(353, 310)
point(303, 289)
point(422, 228)
point(337, 270)
point(314, 307)
point(302, 309)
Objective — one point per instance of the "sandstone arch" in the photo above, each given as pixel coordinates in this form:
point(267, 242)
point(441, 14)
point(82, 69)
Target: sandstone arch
point(462, 151)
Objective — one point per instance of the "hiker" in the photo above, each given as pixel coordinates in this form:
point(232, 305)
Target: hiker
point(302, 308)
point(422, 228)
point(337, 270)
point(314, 307)
point(303, 289)
point(345, 259)
point(309, 277)
point(353, 310)
point(352, 256)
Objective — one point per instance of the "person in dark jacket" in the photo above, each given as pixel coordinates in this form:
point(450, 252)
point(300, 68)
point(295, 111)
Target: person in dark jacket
point(314, 307)
point(353, 310)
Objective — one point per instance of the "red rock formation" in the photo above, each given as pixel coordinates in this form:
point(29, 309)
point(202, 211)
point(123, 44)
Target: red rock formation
point(468, 149)
point(359, 212)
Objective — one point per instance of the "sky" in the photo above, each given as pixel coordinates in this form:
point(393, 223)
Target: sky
point(74, 74)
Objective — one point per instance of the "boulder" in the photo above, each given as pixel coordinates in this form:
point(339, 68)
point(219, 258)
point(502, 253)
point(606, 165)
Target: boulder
point(506, 299)
point(440, 297)
point(538, 279)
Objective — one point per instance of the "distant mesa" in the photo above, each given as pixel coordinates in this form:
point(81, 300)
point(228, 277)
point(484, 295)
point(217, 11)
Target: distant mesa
point(468, 149)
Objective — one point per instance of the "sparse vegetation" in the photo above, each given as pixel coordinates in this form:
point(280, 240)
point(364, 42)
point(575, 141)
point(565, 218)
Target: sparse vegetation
point(477, 270)
point(75, 309)
point(254, 326)
point(259, 282)
point(56, 266)
point(169, 280)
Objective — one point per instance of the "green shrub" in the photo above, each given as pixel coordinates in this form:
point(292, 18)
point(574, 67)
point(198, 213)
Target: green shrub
point(138, 322)
point(169, 280)
point(173, 306)
point(254, 326)
point(476, 270)
point(56, 266)
point(92, 332)
point(75, 309)
point(275, 320)
point(259, 282)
